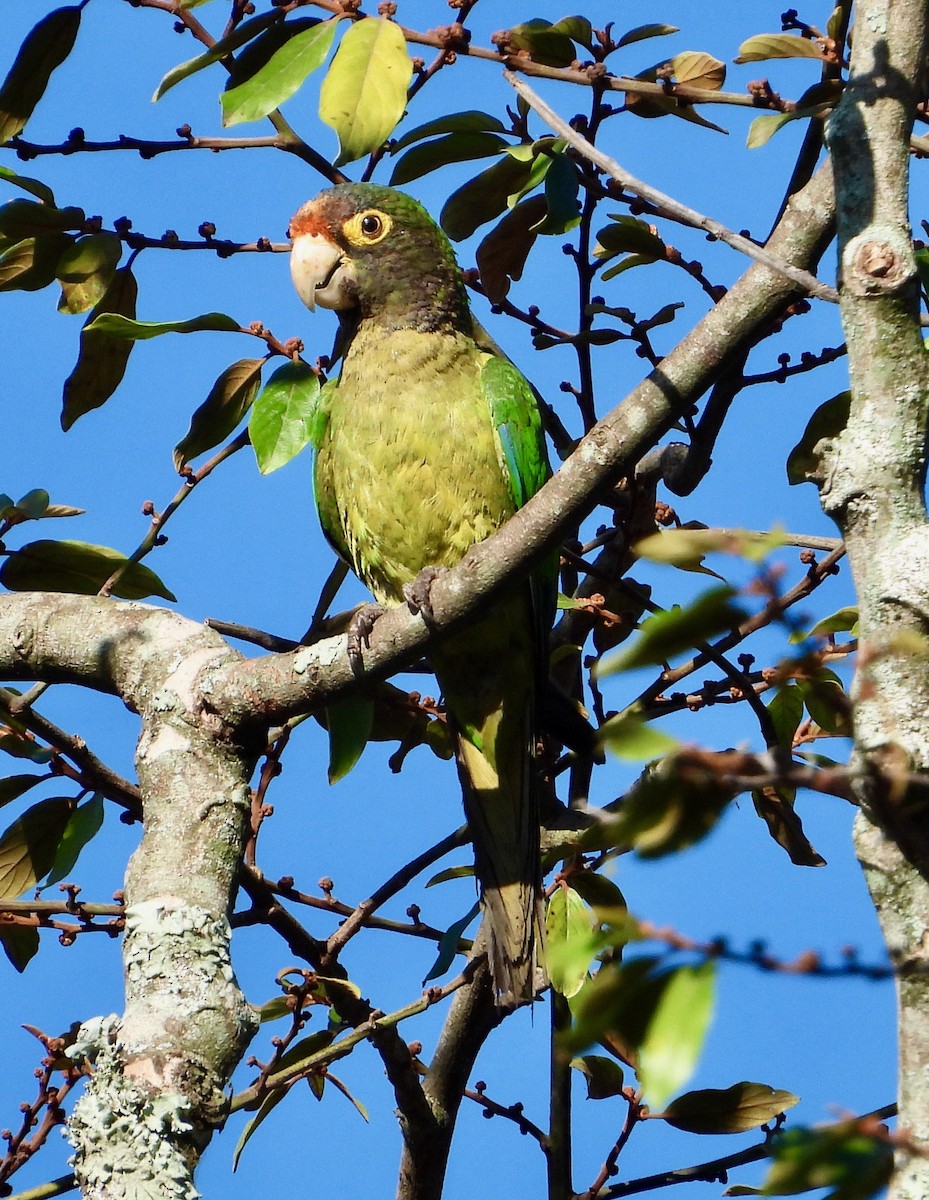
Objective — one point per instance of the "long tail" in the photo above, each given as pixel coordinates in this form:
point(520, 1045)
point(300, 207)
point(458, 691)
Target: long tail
point(488, 678)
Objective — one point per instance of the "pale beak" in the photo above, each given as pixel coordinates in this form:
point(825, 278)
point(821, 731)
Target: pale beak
point(318, 271)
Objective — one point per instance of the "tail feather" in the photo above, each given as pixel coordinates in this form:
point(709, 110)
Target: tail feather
point(488, 678)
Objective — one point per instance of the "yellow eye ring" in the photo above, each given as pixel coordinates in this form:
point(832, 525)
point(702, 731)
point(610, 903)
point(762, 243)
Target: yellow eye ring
point(367, 228)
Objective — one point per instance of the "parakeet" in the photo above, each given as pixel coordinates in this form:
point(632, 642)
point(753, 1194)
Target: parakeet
point(427, 442)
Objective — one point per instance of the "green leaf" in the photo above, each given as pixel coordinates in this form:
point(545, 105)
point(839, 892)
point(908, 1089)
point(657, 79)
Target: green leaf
point(614, 1006)
point(786, 711)
point(628, 235)
point(672, 806)
point(451, 148)
point(667, 634)
point(86, 270)
point(304, 1049)
point(117, 326)
point(20, 746)
point(462, 872)
point(240, 35)
point(502, 254)
point(229, 400)
point(483, 197)
point(629, 737)
point(543, 42)
point(676, 1032)
point(282, 419)
point(448, 945)
point(641, 32)
point(271, 1100)
point(349, 725)
point(604, 1076)
point(84, 823)
point(777, 45)
point(854, 1164)
point(735, 1109)
point(14, 786)
point(472, 121)
point(563, 210)
point(30, 265)
point(28, 218)
point(364, 93)
point(29, 845)
point(20, 944)
point(762, 129)
point(775, 806)
point(845, 619)
point(569, 941)
point(77, 567)
point(46, 47)
point(101, 361)
point(578, 29)
point(828, 421)
point(281, 77)
point(35, 186)
point(597, 890)
point(633, 260)
point(827, 702)
point(33, 505)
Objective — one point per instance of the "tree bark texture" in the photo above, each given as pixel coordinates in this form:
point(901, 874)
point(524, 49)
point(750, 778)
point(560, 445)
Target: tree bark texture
point(872, 480)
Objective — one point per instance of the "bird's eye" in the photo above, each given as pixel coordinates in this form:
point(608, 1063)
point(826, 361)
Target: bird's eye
point(367, 228)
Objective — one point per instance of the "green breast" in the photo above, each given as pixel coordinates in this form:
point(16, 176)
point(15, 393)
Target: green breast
point(409, 473)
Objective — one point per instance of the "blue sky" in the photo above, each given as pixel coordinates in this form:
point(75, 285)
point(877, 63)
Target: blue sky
point(247, 549)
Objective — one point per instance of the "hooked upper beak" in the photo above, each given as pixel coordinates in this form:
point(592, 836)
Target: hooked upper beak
point(316, 267)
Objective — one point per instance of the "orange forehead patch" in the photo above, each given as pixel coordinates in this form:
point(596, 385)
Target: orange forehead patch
point(310, 219)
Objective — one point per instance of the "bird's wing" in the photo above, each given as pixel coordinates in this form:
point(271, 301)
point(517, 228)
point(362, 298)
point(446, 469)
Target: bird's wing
point(324, 495)
point(515, 416)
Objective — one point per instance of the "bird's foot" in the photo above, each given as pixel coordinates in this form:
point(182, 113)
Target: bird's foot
point(417, 593)
point(359, 632)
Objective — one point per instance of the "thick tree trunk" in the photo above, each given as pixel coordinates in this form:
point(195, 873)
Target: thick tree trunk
point(872, 479)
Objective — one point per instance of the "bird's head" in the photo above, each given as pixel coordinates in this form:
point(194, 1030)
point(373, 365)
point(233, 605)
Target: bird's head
point(375, 253)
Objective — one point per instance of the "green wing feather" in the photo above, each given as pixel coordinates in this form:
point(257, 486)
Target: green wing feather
point(325, 499)
point(515, 417)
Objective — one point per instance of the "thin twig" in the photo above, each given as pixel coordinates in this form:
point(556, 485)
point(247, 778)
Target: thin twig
point(680, 212)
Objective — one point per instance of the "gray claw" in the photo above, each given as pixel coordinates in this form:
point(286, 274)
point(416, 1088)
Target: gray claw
point(417, 592)
point(359, 632)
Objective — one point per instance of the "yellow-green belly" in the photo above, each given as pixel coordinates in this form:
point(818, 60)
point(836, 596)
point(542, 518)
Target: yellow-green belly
point(409, 471)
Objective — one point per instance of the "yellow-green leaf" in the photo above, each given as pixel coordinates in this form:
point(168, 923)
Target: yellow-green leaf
point(569, 943)
point(364, 93)
point(281, 76)
point(676, 1032)
point(604, 1076)
point(777, 45)
point(86, 270)
point(666, 634)
point(229, 400)
point(698, 69)
point(116, 326)
point(45, 47)
point(628, 736)
point(77, 567)
point(28, 848)
point(102, 360)
point(735, 1109)
point(240, 35)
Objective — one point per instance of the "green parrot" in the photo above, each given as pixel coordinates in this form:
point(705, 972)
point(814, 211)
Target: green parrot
point(428, 441)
